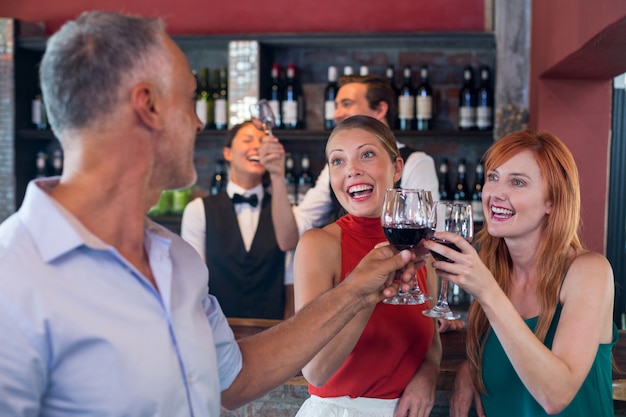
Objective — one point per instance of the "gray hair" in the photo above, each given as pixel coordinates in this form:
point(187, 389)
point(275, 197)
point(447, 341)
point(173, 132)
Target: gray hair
point(89, 60)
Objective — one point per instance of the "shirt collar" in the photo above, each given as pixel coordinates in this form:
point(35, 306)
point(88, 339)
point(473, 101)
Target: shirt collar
point(54, 229)
point(232, 189)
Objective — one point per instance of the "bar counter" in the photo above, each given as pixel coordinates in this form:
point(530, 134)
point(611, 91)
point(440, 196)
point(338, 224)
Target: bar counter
point(285, 400)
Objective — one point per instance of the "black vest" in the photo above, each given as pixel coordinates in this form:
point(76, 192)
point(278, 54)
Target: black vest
point(339, 211)
point(247, 284)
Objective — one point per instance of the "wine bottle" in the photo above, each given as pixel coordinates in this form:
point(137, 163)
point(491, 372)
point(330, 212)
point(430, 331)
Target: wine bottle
point(461, 191)
point(467, 101)
point(291, 180)
point(445, 191)
point(424, 102)
point(301, 103)
point(364, 70)
point(484, 105)
point(406, 102)
point(39, 117)
point(214, 91)
point(330, 92)
point(218, 183)
point(57, 162)
point(221, 101)
point(41, 165)
point(204, 99)
point(477, 193)
point(275, 95)
point(305, 181)
point(390, 73)
point(290, 100)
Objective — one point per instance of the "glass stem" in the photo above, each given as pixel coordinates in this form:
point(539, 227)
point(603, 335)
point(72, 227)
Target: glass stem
point(443, 294)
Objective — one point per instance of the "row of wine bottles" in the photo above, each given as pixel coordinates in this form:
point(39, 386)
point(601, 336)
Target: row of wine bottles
point(461, 191)
point(48, 165)
point(416, 107)
point(212, 98)
point(298, 182)
point(286, 99)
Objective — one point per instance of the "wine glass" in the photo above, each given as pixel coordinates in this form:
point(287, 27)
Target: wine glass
point(454, 217)
point(263, 116)
point(427, 199)
point(405, 224)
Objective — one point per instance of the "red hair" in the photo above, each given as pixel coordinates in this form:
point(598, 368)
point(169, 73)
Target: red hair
point(560, 234)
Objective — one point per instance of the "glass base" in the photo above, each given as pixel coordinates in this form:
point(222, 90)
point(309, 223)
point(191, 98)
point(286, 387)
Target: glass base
point(420, 297)
point(402, 299)
point(441, 312)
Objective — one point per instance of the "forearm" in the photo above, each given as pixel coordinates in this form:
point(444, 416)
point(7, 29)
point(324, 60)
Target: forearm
point(324, 365)
point(547, 377)
point(273, 356)
point(285, 226)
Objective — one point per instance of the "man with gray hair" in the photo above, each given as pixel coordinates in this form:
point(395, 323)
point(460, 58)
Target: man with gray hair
point(102, 311)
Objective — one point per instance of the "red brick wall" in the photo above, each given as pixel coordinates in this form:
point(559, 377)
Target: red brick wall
point(267, 16)
point(577, 47)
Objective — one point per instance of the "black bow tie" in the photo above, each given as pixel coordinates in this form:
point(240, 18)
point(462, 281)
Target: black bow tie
point(253, 200)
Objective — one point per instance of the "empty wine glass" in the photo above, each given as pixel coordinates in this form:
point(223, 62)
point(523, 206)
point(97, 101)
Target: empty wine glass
point(454, 217)
point(405, 224)
point(263, 116)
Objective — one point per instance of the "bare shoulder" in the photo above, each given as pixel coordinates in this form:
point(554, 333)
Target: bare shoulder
point(325, 239)
point(589, 267)
point(317, 263)
point(592, 261)
point(319, 250)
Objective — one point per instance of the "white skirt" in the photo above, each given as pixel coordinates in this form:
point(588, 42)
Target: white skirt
point(316, 406)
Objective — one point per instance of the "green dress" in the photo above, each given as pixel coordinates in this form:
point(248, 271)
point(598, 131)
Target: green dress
point(507, 396)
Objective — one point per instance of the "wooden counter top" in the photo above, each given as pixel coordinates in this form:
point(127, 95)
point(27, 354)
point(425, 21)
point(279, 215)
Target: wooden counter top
point(453, 344)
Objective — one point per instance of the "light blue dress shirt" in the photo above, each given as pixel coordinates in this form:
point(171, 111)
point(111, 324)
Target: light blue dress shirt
point(82, 332)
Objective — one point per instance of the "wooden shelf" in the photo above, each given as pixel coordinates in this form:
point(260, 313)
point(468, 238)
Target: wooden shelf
point(322, 135)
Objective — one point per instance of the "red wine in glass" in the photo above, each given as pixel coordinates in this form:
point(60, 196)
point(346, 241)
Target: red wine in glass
point(452, 217)
point(404, 237)
point(440, 257)
point(404, 221)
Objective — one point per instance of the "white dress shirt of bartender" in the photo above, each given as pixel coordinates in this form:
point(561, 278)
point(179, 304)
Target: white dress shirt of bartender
point(105, 312)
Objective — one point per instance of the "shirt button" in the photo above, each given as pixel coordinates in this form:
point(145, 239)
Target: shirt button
point(189, 379)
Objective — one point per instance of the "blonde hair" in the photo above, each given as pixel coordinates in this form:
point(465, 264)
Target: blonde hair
point(560, 234)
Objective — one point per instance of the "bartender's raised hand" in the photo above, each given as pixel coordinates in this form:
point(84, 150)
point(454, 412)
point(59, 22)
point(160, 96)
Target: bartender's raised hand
point(272, 155)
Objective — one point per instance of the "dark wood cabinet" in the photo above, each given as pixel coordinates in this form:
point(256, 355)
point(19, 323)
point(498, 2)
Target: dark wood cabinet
point(445, 53)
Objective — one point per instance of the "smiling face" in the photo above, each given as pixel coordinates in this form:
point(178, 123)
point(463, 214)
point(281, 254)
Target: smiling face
point(514, 197)
point(243, 156)
point(361, 170)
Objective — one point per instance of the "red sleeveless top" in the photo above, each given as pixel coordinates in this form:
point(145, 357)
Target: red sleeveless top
point(394, 340)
